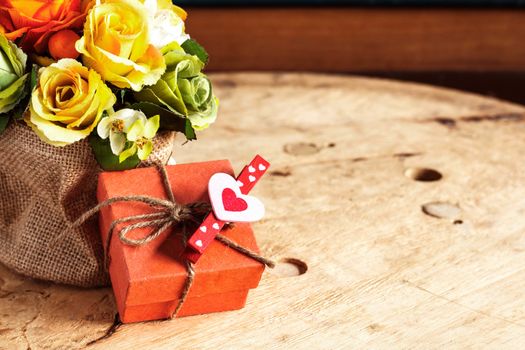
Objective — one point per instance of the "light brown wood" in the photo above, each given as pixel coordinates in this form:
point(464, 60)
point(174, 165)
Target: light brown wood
point(343, 205)
point(349, 39)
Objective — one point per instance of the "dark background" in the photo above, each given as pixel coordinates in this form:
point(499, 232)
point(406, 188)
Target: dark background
point(476, 46)
point(352, 2)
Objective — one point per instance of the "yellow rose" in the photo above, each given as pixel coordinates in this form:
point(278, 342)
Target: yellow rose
point(116, 43)
point(68, 102)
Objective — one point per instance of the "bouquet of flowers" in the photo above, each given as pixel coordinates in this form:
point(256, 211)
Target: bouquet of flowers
point(86, 86)
point(113, 71)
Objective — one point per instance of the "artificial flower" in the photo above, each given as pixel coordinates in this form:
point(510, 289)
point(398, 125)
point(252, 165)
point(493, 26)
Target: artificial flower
point(68, 102)
point(166, 23)
point(141, 135)
point(116, 43)
point(117, 125)
point(33, 22)
point(154, 5)
point(183, 89)
point(62, 44)
point(12, 75)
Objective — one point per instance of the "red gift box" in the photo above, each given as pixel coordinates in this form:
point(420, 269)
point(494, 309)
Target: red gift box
point(148, 280)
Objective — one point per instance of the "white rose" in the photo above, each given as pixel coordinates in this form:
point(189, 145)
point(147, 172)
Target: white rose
point(165, 25)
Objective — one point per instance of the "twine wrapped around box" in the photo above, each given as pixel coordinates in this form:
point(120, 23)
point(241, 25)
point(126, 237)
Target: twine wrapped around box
point(168, 214)
point(43, 188)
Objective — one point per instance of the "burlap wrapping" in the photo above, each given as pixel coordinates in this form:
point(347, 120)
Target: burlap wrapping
point(42, 189)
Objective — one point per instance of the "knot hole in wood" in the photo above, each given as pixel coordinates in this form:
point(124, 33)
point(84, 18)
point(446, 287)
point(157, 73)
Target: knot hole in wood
point(423, 174)
point(290, 267)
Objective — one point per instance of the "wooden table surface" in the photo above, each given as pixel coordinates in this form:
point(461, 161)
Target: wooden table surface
point(391, 261)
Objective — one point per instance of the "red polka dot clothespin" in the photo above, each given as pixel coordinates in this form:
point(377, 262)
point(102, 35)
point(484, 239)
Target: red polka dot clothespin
point(231, 203)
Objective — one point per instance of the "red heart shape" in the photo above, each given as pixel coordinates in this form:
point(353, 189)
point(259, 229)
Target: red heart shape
point(231, 202)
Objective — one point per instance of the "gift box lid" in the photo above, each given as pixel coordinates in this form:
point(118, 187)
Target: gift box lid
point(155, 272)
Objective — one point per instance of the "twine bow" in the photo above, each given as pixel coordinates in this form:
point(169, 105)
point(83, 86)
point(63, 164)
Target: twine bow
point(168, 213)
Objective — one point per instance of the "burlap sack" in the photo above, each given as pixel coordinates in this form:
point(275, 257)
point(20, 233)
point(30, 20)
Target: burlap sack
point(42, 188)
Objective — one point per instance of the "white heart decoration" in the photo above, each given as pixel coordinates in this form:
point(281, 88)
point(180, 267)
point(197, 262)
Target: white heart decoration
point(262, 167)
point(229, 204)
point(216, 226)
point(251, 169)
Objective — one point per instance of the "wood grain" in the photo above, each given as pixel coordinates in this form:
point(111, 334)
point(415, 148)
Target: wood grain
point(377, 272)
point(349, 39)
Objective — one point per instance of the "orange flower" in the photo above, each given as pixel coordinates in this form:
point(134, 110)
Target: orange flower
point(32, 22)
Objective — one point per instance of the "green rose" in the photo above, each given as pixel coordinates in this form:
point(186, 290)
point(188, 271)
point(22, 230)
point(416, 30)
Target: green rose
point(12, 77)
point(183, 89)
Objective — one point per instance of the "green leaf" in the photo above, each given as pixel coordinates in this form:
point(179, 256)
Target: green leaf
point(106, 159)
point(34, 76)
point(23, 105)
point(168, 119)
point(189, 131)
point(161, 94)
point(4, 120)
point(194, 48)
point(12, 59)
point(174, 55)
